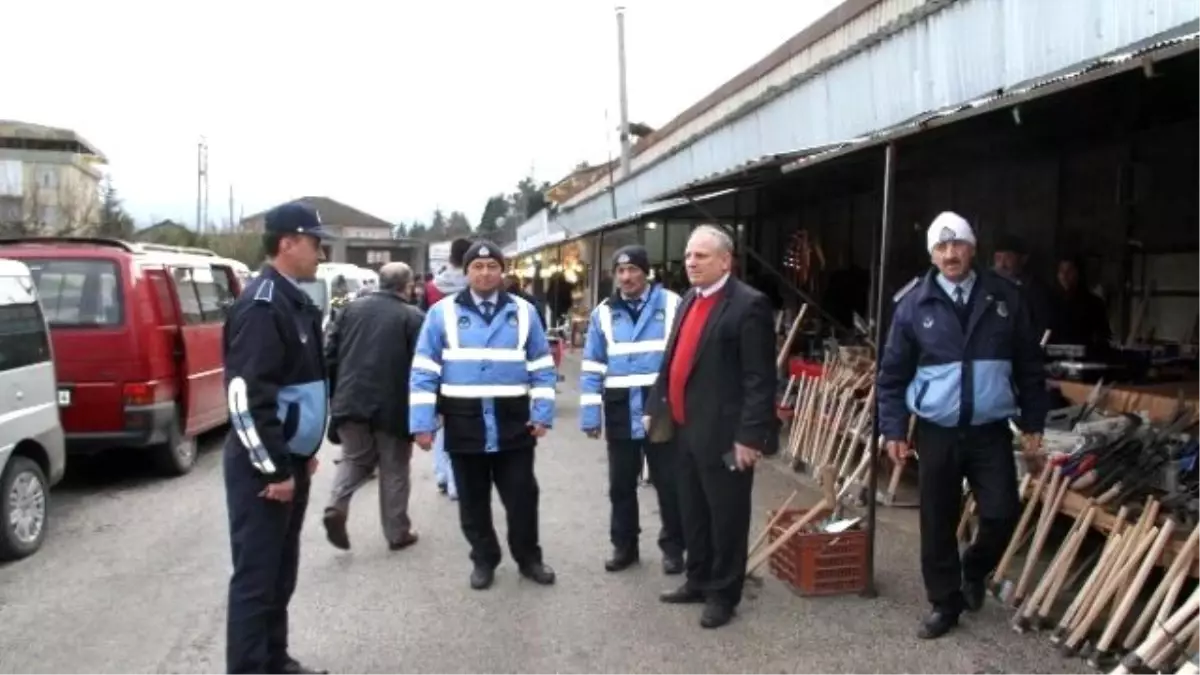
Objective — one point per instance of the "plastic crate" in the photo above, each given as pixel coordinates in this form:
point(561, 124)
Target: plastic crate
point(814, 564)
point(798, 366)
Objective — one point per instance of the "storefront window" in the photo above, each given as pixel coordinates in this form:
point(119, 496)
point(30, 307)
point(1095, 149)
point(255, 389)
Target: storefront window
point(672, 273)
point(654, 239)
point(609, 243)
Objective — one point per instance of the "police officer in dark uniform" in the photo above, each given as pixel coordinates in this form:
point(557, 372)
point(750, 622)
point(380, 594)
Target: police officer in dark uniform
point(960, 341)
point(276, 386)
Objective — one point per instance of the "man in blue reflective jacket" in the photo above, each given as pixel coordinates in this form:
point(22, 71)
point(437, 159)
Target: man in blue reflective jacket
point(626, 339)
point(276, 388)
point(483, 363)
point(963, 357)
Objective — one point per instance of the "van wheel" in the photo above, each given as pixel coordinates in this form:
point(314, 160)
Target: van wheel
point(178, 455)
point(23, 500)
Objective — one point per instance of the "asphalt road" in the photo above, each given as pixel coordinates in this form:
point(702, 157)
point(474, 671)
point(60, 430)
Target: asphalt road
point(133, 576)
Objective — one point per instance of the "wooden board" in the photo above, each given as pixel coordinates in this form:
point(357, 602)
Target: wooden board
point(1103, 522)
point(1157, 400)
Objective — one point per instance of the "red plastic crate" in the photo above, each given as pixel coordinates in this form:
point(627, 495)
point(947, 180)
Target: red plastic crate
point(814, 564)
point(798, 366)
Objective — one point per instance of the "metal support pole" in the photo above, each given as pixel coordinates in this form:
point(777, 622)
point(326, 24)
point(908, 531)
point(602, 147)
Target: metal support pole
point(625, 149)
point(889, 176)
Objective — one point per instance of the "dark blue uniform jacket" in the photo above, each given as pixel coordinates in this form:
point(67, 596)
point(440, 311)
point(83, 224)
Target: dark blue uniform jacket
point(954, 377)
point(275, 374)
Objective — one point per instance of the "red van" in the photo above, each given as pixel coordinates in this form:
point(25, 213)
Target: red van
point(136, 330)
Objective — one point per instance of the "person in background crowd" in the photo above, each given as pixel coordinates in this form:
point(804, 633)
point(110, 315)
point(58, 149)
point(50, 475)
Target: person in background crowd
point(273, 362)
point(370, 352)
point(513, 286)
point(484, 364)
point(716, 390)
point(449, 281)
point(341, 297)
point(621, 358)
point(959, 343)
point(1079, 316)
point(1011, 260)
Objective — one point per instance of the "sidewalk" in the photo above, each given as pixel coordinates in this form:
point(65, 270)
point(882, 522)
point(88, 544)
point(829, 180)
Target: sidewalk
point(369, 611)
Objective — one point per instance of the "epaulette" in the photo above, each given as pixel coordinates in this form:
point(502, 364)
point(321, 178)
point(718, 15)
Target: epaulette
point(265, 292)
point(904, 291)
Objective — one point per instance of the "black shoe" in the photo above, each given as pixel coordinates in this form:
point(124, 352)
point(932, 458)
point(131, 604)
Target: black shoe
point(973, 594)
point(622, 558)
point(482, 577)
point(937, 624)
point(407, 540)
point(442, 488)
point(716, 614)
point(294, 667)
point(538, 573)
point(684, 595)
point(672, 565)
point(335, 529)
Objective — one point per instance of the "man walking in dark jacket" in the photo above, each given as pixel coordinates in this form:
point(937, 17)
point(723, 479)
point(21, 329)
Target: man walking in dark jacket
point(963, 357)
point(369, 352)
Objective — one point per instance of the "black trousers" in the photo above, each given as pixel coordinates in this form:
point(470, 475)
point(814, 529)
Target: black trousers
point(624, 470)
point(265, 538)
point(715, 503)
point(984, 456)
point(512, 473)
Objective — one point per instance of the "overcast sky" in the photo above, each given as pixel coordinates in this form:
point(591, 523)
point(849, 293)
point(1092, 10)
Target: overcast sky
point(396, 108)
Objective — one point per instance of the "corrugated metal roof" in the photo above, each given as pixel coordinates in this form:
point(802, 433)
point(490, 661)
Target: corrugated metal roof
point(743, 176)
point(1188, 38)
point(967, 49)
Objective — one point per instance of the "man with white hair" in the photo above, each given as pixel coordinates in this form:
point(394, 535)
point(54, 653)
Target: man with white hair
point(963, 357)
point(715, 392)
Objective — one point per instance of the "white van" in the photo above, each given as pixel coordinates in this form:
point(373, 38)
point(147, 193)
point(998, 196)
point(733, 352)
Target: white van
point(32, 448)
point(321, 289)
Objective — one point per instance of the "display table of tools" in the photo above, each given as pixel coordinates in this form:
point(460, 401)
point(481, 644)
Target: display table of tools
point(1104, 556)
point(1119, 587)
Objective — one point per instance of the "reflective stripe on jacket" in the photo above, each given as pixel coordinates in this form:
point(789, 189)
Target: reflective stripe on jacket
point(621, 360)
point(488, 379)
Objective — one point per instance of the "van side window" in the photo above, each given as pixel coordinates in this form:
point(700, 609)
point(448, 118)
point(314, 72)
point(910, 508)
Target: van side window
point(224, 278)
point(210, 295)
point(78, 293)
point(162, 298)
point(189, 301)
point(23, 337)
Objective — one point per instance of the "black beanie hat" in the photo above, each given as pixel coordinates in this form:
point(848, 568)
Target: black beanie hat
point(632, 255)
point(483, 249)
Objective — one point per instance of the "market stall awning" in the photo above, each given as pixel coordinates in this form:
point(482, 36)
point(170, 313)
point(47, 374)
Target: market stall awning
point(744, 176)
point(659, 206)
point(1139, 55)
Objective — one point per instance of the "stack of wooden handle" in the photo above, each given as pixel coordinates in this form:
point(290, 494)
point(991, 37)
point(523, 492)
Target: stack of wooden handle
point(1099, 620)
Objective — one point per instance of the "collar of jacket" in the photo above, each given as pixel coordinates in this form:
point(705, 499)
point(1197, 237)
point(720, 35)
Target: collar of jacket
point(985, 280)
point(503, 298)
point(286, 287)
point(648, 293)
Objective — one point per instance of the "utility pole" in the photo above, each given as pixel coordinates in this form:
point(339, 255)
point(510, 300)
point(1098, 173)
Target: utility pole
point(201, 184)
point(231, 207)
point(624, 96)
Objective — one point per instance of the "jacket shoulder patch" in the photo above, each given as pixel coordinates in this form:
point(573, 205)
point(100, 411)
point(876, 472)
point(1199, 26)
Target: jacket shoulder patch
point(265, 292)
point(904, 291)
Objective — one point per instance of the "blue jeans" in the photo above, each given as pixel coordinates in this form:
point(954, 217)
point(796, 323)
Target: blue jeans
point(442, 470)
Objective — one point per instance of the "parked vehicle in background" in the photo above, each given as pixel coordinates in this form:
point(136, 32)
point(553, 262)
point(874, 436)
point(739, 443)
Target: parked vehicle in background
point(322, 288)
point(136, 330)
point(32, 458)
point(240, 269)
